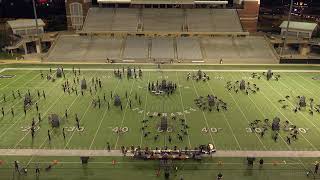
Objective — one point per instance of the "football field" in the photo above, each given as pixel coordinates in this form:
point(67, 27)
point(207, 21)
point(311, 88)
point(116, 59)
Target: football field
point(227, 129)
point(240, 121)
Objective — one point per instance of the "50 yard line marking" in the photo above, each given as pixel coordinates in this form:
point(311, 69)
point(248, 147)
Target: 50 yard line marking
point(102, 119)
point(225, 118)
point(182, 105)
point(204, 116)
point(145, 108)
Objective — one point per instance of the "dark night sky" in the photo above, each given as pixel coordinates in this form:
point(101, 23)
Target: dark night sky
point(23, 9)
point(279, 2)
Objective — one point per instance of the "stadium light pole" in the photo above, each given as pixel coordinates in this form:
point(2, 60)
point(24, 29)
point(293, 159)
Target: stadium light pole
point(287, 29)
point(38, 42)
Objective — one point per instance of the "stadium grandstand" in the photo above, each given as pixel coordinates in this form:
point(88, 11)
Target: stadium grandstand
point(164, 31)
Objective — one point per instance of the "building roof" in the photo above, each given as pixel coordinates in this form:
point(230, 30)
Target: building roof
point(166, 1)
point(25, 23)
point(305, 26)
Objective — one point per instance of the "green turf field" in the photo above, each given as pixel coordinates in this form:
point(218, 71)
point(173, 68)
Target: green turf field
point(227, 130)
point(70, 168)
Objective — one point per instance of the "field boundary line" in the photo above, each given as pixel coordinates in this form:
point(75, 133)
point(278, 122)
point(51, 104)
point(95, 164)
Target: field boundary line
point(179, 70)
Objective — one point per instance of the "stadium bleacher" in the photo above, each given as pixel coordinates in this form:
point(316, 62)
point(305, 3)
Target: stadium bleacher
point(250, 49)
point(161, 40)
point(162, 48)
point(188, 48)
point(162, 20)
point(136, 48)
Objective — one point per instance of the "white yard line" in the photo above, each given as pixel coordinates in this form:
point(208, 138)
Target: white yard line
point(20, 117)
point(300, 111)
point(124, 115)
point(183, 109)
point(117, 153)
point(204, 116)
point(177, 70)
point(3, 70)
point(145, 108)
point(281, 95)
point(246, 119)
point(81, 118)
point(103, 116)
point(21, 86)
point(279, 133)
point(279, 110)
point(84, 114)
point(264, 116)
point(44, 114)
point(225, 118)
point(16, 80)
point(307, 80)
point(45, 140)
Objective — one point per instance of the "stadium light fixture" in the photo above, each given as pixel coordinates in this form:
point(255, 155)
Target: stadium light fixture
point(37, 27)
point(287, 29)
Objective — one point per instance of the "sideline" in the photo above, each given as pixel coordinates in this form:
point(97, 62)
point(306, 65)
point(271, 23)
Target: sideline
point(176, 70)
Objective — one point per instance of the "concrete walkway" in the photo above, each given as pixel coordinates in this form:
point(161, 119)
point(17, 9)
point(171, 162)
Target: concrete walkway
point(62, 152)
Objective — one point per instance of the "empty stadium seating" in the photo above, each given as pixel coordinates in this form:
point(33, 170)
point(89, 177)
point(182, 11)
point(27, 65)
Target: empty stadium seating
point(162, 20)
point(253, 49)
